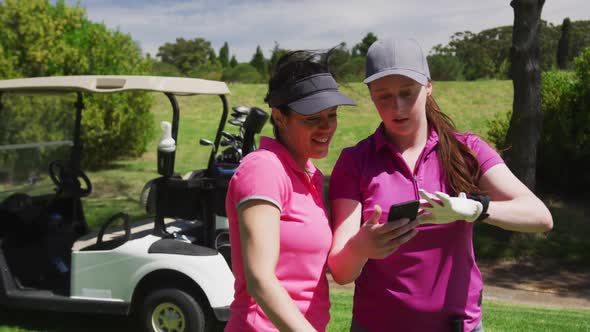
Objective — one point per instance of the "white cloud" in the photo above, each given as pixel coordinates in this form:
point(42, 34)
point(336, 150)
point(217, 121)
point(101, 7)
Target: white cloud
point(307, 23)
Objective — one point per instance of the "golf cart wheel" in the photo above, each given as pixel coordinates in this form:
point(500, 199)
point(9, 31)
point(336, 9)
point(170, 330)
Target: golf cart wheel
point(172, 310)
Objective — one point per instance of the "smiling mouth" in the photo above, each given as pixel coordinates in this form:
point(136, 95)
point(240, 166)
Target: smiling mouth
point(321, 140)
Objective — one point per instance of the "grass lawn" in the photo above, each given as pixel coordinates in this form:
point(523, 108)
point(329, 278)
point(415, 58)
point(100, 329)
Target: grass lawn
point(498, 317)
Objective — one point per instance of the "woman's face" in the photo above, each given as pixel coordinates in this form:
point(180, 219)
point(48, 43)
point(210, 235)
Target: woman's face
point(307, 136)
point(401, 103)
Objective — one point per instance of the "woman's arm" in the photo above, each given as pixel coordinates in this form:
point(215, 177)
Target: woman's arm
point(513, 206)
point(259, 235)
point(353, 244)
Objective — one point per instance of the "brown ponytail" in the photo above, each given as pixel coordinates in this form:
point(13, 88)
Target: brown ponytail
point(459, 162)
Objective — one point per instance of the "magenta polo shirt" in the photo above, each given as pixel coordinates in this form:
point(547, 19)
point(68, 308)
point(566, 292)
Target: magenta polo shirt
point(271, 174)
point(433, 277)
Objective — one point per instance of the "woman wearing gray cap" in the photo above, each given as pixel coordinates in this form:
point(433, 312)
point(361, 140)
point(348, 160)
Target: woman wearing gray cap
point(279, 229)
point(418, 275)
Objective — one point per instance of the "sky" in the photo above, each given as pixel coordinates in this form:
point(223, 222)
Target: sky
point(308, 24)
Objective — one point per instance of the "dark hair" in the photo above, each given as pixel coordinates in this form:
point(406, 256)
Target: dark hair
point(292, 67)
point(459, 162)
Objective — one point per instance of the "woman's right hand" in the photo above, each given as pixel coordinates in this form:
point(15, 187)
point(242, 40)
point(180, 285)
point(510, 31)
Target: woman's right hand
point(377, 241)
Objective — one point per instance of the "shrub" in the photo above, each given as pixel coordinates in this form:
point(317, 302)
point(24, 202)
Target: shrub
point(243, 72)
point(497, 129)
point(564, 146)
point(51, 40)
point(445, 67)
point(209, 71)
point(160, 68)
point(115, 125)
point(27, 120)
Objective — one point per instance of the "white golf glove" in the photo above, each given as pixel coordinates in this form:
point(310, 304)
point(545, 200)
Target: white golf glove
point(441, 208)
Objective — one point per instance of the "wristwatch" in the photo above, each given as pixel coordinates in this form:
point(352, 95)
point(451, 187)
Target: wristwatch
point(485, 202)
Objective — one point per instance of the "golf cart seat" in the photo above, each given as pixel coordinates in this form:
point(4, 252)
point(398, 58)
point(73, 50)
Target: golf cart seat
point(19, 215)
point(116, 234)
point(27, 246)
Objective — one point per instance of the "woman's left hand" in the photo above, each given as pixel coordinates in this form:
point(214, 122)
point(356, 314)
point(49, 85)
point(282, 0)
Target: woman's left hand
point(441, 208)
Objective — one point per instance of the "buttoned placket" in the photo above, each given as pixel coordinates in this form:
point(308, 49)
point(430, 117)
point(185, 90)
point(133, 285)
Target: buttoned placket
point(306, 173)
point(413, 174)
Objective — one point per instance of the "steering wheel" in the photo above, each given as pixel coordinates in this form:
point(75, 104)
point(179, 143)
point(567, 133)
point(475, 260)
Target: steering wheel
point(121, 215)
point(67, 179)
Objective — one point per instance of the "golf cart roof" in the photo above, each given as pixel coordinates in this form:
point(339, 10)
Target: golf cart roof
point(114, 83)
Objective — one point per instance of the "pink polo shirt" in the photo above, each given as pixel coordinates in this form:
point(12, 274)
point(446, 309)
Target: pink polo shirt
point(271, 174)
point(431, 279)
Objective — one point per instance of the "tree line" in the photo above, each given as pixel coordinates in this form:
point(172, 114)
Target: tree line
point(486, 55)
point(197, 58)
point(467, 56)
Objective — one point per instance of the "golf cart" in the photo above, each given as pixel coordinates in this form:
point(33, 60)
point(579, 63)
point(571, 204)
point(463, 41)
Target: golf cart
point(172, 271)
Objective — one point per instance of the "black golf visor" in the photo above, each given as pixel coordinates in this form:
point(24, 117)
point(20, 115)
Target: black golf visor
point(309, 95)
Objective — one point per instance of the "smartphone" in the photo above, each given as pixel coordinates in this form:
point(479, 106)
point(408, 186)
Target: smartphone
point(407, 209)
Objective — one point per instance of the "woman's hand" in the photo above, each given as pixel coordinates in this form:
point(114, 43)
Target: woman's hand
point(376, 241)
point(441, 208)
point(354, 244)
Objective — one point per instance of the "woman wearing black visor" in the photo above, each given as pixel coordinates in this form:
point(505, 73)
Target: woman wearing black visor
point(279, 229)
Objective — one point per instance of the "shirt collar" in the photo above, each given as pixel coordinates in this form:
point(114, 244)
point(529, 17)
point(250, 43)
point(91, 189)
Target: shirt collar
point(284, 155)
point(381, 141)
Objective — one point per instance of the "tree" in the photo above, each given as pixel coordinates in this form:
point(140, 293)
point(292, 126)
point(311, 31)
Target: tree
point(7, 65)
point(564, 147)
point(548, 39)
point(526, 122)
point(563, 45)
point(243, 72)
point(579, 38)
point(482, 54)
point(445, 67)
point(233, 62)
point(38, 38)
point(259, 62)
point(361, 48)
point(224, 55)
point(339, 61)
point(160, 68)
point(275, 54)
point(187, 55)
point(32, 33)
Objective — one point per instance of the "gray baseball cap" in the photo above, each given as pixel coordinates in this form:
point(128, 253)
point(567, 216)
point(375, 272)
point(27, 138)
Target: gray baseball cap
point(396, 57)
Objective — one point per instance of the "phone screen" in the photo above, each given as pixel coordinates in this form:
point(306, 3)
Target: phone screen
point(407, 209)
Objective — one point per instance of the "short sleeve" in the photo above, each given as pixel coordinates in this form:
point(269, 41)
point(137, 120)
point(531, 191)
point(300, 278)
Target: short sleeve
point(262, 176)
point(486, 155)
point(345, 178)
